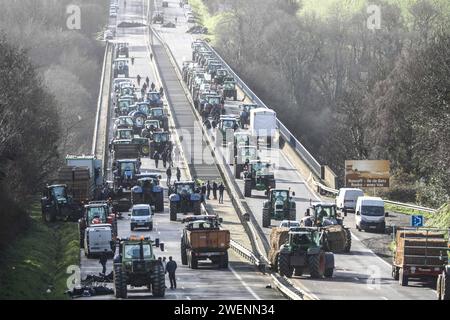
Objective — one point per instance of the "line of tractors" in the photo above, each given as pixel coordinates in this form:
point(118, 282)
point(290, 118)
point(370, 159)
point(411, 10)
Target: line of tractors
point(297, 245)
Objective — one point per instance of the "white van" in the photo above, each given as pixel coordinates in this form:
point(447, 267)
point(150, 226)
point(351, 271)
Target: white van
point(141, 217)
point(370, 214)
point(346, 199)
point(97, 239)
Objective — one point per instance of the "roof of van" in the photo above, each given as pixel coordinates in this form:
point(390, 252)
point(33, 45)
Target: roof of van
point(370, 199)
point(141, 206)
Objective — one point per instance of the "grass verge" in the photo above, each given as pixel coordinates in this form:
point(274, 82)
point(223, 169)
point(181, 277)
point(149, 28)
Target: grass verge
point(34, 265)
point(393, 208)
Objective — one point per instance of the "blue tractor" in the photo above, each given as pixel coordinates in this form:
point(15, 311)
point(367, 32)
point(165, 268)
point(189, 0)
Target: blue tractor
point(148, 191)
point(184, 198)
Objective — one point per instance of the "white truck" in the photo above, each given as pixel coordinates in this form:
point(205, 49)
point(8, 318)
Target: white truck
point(97, 239)
point(263, 125)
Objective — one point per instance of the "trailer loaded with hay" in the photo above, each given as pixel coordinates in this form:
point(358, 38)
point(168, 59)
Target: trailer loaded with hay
point(419, 253)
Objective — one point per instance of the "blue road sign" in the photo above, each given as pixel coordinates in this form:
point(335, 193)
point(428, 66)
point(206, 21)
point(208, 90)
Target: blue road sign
point(417, 221)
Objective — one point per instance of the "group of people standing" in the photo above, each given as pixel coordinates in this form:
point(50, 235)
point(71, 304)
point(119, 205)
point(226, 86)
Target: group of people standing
point(214, 187)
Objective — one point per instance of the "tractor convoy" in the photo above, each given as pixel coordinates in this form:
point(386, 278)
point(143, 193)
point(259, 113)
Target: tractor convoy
point(245, 131)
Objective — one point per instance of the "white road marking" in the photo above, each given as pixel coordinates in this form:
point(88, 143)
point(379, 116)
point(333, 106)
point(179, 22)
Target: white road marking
point(244, 284)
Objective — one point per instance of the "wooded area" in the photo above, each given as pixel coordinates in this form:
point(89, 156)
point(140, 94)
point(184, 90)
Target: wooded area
point(347, 91)
point(49, 82)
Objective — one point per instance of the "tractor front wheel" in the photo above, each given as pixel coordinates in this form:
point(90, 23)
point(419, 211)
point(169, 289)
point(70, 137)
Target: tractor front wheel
point(348, 240)
point(184, 258)
point(266, 218)
point(316, 264)
point(284, 265)
point(158, 281)
point(120, 282)
point(223, 262)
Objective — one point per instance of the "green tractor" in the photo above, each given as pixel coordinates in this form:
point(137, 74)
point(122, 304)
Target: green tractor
point(135, 264)
point(296, 250)
point(226, 128)
point(337, 237)
point(161, 141)
point(56, 203)
point(279, 206)
point(229, 90)
point(244, 155)
point(184, 197)
point(258, 175)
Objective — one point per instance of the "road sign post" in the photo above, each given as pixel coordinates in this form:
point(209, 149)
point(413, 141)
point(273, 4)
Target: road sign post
point(417, 221)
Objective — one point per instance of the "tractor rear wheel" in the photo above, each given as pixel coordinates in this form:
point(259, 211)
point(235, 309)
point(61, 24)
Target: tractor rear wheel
point(184, 258)
point(173, 212)
point(445, 286)
point(248, 188)
point(266, 218)
point(402, 278)
point(328, 272)
point(223, 262)
point(158, 281)
point(284, 265)
point(348, 240)
point(159, 205)
point(316, 263)
point(395, 273)
point(50, 215)
point(120, 282)
point(193, 261)
point(197, 208)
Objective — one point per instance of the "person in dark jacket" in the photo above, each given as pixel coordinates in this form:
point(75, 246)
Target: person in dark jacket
point(208, 190)
point(203, 191)
point(103, 261)
point(171, 267)
point(178, 174)
point(221, 190)
point(169, 175)
point(214, 188)
point(156, 157)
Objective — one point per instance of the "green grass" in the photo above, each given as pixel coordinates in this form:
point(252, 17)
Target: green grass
point(441, 219)
point(393, 208)
point(38, 259)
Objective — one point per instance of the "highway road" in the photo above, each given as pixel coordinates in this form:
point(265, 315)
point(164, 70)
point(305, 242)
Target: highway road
point(241, 280)
point(360, 274)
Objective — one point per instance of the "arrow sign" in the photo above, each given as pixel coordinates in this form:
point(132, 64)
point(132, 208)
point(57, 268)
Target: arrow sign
point(417, 221)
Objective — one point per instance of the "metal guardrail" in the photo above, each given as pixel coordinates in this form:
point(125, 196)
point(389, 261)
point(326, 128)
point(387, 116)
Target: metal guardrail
point(304, 154)
point(400, 204)
point(99, 101)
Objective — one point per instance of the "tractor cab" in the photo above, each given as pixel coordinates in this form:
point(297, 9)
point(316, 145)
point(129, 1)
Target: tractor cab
point(150, 127)
point(227, 126)
point(127, 90)
point(124, 134)
point(160, 115)
point(143, 107)
point(325, 214)
point(123, 106)
point(154, 99)
point(220, 76)
point(304, 238)
point(125, 172)
point(161, 142)
point(124, 122)
point(258, 175)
